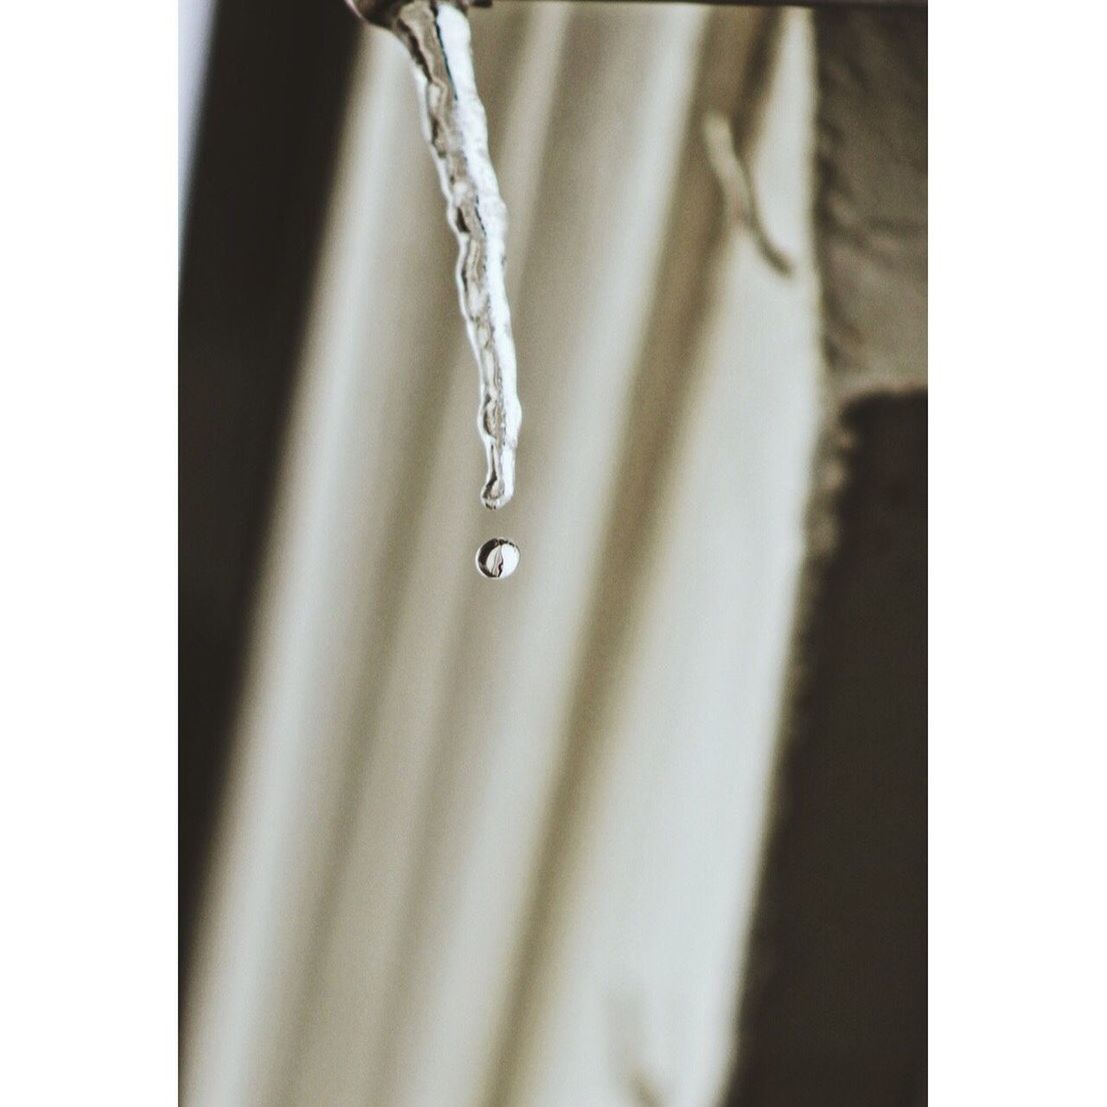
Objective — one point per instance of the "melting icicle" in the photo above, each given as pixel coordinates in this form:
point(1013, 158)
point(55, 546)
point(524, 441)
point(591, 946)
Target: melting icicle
point(436, 34)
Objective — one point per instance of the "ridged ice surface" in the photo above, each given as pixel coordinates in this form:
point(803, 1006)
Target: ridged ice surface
point(436, 34)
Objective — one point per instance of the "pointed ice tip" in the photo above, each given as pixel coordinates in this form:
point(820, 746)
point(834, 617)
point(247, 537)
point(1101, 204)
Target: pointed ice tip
point(496, 493)
point(494, 501)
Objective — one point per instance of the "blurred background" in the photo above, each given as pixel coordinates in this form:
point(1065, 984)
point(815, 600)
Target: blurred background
point(644, 824)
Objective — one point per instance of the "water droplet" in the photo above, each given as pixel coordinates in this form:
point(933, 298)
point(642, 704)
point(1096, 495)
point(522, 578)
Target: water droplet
point(497, 558)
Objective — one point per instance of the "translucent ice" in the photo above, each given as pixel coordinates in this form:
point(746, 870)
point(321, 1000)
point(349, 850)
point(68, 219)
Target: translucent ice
point(436, 34)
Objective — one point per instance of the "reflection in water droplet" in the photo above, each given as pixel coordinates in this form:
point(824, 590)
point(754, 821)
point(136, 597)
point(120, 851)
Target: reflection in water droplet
point(497, 558)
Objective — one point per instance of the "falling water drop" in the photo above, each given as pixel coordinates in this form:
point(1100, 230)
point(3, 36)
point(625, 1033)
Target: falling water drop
point(497, 558)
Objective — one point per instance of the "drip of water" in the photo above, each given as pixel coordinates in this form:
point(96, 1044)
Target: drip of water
point(436, 34)
point(497, 558)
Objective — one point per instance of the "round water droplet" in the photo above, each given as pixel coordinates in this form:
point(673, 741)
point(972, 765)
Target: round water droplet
point(497, 558)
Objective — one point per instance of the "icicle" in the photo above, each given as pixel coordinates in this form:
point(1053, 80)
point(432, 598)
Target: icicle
point(436, 34)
